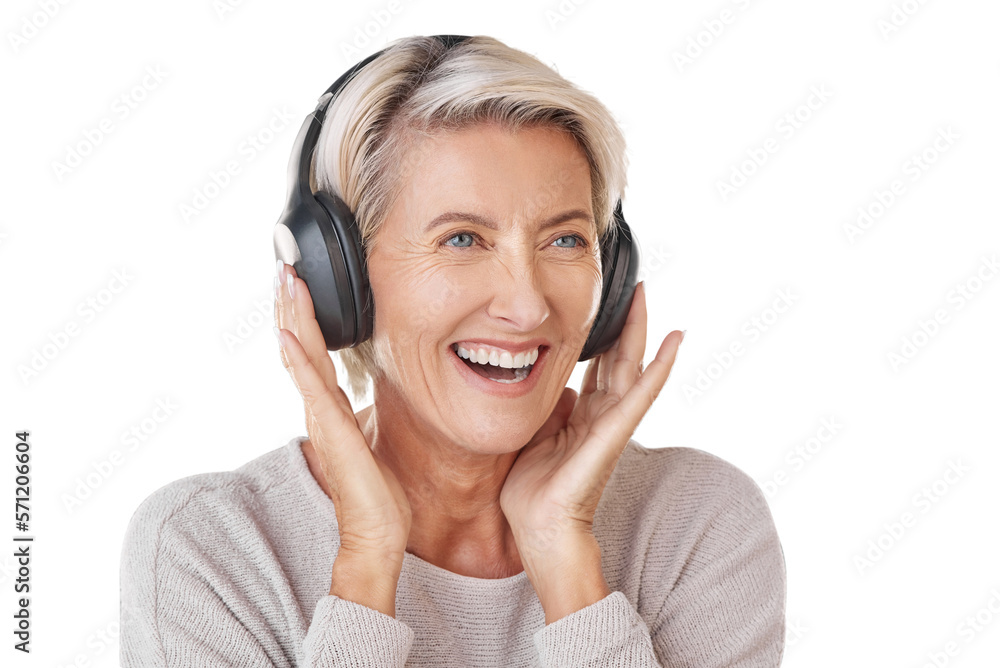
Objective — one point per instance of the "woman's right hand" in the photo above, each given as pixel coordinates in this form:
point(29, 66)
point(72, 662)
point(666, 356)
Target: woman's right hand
point(373, 513)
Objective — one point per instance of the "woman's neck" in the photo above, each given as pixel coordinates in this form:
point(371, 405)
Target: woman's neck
point(454, 493)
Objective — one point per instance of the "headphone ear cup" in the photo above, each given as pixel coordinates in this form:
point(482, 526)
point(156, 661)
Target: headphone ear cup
point(352, 301)
point(620, 269)
point(350, 270)
point(313, 235)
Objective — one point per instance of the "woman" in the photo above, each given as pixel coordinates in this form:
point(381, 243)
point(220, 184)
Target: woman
point(478, 512)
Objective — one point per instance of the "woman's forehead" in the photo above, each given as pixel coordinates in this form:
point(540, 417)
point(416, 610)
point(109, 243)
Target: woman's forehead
point(486, 143)
point(493, 176)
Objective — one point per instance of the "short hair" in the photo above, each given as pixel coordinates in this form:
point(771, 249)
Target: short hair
point(419, 87)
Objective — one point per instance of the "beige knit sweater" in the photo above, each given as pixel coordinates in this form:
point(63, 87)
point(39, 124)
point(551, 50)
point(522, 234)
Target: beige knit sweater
point(233, 569)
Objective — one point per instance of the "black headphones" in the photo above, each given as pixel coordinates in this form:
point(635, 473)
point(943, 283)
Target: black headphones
point(317, 234)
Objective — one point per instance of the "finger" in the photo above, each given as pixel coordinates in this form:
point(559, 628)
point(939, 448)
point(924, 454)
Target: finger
point(619, 422)
point(299, 316)
point(282, 301)
point(604, 366)
point(589, 378)
point(278, 292)
point(614, 427)
point(309, 333)
point(632, 347)
point(325, 407)
point(279, 316)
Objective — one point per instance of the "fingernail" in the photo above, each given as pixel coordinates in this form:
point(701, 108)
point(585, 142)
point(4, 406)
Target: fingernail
point(291, 287)
point(281, 272)
point(683, 332)
point(277, 334)
point(277, 288)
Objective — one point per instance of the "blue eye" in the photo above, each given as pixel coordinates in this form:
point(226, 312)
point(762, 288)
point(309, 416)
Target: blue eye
point(463, 236)
point(572, 237)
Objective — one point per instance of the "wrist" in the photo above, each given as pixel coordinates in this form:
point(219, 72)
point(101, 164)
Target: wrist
point(368, 581)
point(567, 576)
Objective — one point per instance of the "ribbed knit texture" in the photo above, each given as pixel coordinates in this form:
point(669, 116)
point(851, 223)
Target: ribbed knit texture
point(233, 569)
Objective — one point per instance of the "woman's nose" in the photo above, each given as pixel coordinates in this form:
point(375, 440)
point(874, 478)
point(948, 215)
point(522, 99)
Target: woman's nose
point(518, 297)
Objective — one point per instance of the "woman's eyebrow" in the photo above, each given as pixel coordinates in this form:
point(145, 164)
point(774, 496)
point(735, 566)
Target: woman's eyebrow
point(476, 219)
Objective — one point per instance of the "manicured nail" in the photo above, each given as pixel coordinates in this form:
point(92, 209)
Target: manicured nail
point(683, 332)
point(277, 334)
point(281, 272)
point(277, 288)
point(291, 286)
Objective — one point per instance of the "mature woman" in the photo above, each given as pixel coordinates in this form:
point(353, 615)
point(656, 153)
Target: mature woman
point(478, 512)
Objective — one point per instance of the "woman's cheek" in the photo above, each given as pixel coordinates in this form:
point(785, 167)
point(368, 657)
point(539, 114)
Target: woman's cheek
point(575, 293)
point(430, 302)
point(416, 292)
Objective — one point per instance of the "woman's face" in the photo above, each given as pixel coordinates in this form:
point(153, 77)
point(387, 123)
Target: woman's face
point(489, 252)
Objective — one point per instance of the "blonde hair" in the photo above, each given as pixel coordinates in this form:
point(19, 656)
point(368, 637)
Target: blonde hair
point(418, 87)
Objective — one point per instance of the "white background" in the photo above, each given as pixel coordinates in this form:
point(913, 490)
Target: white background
point(712, 265)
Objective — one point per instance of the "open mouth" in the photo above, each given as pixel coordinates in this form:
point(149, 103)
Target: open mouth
point(498, 367)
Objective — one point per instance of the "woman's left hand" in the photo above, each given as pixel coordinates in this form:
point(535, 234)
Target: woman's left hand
point(552, 490)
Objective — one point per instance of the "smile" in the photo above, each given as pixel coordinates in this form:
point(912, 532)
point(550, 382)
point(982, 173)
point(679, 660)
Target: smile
point(497, 364)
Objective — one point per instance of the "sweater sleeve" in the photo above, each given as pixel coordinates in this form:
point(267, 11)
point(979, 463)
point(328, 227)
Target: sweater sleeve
point(345, 633)
point(190, 597)
point(725, 608)
point(606, 634)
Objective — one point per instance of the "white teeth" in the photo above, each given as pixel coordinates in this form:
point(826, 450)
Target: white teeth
point(501, 359)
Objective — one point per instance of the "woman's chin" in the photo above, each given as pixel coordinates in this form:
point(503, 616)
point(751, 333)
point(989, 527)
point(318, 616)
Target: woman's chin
point(490, 422)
